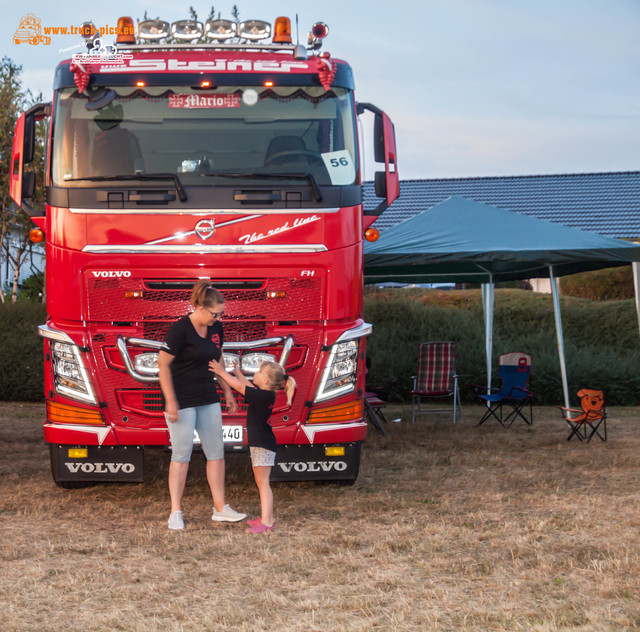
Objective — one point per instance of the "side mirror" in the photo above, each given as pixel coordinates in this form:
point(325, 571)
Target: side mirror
point(23, 184)
point(387, 182)
point(29, 140)
point(378, 138)
point(381, 184)
point(28, 184)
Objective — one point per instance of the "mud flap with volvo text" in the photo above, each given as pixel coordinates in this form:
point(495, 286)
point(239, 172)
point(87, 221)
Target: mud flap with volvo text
point(334, 462)
point(84, 464)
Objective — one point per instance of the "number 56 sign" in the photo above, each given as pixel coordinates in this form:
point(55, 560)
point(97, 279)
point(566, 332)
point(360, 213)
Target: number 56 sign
point(340, 167)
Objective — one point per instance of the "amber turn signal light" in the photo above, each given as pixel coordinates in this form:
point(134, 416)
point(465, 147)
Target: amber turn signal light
point(36, 235)
point(371, 234)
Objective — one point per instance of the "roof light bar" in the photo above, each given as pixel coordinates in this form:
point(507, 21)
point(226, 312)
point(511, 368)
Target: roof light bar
point(153, 30)
point(254, 30)
point(220, 30)
point(187, 30)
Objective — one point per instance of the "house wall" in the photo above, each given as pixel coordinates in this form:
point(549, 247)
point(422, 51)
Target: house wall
point(31, 264)
point(541, 285)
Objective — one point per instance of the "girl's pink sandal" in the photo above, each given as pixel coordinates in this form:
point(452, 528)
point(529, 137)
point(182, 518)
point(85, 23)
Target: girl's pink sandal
point(260, 528)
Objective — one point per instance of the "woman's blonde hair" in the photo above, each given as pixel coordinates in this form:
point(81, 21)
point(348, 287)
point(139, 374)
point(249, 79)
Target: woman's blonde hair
point(204, 294)
point(277, 379)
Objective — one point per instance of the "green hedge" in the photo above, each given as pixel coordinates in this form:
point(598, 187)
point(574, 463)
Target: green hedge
point(21, 362)
point(609, 284)
point(602, 343)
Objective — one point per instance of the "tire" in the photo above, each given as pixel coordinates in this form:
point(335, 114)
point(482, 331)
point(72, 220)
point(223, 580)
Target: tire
point(74, 484)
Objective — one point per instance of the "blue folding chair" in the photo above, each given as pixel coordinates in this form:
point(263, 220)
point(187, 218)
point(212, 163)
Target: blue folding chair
point(514, 370)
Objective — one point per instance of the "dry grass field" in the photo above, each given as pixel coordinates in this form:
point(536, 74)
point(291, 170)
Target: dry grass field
point(447, 528)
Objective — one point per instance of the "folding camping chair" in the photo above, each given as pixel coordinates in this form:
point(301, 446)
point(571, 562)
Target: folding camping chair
point(375, 400)
point(589, 419)
point(436, 378)
point(374, 414)
point(514, 370)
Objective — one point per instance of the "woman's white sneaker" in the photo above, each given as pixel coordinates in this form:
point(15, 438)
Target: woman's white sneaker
point(175, 521)
point(227, 515)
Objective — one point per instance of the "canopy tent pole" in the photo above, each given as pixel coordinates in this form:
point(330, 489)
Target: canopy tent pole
point(559, 336)
point(635, 266)
point(488, 298)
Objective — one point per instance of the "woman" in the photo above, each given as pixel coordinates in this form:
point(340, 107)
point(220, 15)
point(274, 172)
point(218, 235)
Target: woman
point(191, 400)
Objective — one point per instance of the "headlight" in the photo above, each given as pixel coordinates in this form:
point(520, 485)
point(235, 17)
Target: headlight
point(248, 363)
point(252, 361)
point(69, 374)
point(229, 360)
point(146, 363)
point(339, 376)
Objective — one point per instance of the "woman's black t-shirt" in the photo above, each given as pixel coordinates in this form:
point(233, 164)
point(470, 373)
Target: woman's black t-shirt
point(193, 383)
point(259, 431)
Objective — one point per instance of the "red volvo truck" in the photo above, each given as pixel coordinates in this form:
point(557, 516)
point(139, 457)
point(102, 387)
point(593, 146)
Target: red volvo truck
point(192, 151)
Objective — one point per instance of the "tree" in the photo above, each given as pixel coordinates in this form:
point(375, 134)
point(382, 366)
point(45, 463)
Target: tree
point(15, 246)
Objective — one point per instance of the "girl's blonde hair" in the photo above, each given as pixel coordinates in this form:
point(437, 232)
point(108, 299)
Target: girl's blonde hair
point(277, 379)
point(204, 294)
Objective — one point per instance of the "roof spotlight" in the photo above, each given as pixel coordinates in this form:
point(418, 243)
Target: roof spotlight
point(187, 30)
point(87, 30)
point(319, 30)
point(89, 33)
point(153, 30)
point(254, 30)
point(220, 30)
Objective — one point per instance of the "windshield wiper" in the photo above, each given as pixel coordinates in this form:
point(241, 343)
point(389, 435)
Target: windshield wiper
point(317, 196)
point(143, 176)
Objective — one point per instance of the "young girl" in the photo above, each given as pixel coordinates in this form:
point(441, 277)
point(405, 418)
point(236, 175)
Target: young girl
point(260, 396)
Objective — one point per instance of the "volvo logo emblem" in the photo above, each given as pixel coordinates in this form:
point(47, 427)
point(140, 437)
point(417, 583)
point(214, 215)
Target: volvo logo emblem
point(205, 228)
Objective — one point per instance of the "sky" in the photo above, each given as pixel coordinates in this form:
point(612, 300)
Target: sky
point(474, 87)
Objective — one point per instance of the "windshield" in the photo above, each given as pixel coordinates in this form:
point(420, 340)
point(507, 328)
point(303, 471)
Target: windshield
point(246, 133)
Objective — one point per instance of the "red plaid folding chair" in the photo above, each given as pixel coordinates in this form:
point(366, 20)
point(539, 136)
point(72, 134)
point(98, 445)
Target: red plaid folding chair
point(436, 379)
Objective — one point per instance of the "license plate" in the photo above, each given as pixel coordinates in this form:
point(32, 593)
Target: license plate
point(230, 434)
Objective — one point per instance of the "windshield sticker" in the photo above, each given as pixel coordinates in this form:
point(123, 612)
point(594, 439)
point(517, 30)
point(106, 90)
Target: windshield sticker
point(299, 221)
point(340, 167)
point(193, 101)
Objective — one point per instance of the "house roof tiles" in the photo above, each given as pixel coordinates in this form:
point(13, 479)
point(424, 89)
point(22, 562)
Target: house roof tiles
point(605, 203)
